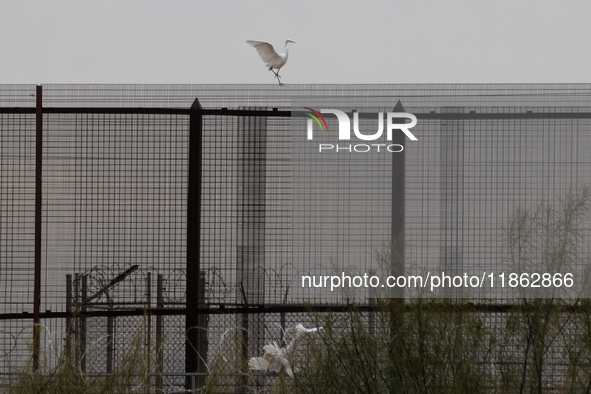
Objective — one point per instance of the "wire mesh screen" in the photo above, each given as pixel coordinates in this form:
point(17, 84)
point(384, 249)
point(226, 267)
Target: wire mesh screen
point(474, 168)
point(246, 210)
point(17, 210)
point(115, 198)
point(468, 180)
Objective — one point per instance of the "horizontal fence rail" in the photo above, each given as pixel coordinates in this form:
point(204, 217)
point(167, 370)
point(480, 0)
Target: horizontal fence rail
point(260, 309)
point(286, 114)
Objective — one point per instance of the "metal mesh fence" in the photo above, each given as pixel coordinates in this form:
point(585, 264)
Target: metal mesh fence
point(17, 172)
point(115, 195)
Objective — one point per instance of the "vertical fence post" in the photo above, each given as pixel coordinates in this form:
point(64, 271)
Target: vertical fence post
point(159, 356)
point(372, 314)
point(38, 196)
point(397, 224)
point(68, 344)
point(193, 363)
point(451, 170)
point(77, 323)
point(149, 325)
point(83, 324)
point(244, 359)
point(110, 338)
point(398, 186)
point(202, 324)
point(250, 248)
point(282, 323)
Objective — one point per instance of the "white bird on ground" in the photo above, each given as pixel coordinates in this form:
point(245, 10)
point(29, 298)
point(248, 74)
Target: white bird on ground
point(275, 357)
point(273, 59)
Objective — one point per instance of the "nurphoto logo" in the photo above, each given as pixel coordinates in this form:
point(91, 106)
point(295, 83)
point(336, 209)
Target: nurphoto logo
point(393, 122)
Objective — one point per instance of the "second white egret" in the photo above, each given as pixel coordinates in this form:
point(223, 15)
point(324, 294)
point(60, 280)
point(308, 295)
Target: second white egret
point(277, 358)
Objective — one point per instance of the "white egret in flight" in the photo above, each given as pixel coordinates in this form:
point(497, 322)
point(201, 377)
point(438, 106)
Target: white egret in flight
point(273, 59)
point(276, 358)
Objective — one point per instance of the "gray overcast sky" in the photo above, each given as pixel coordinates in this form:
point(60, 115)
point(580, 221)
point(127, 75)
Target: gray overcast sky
point(432, 41)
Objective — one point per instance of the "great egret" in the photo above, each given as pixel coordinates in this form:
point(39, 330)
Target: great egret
point(273, 59)
point(275, 357)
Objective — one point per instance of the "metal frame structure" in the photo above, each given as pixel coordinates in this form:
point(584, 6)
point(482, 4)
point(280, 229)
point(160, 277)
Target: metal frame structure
point(195, 309)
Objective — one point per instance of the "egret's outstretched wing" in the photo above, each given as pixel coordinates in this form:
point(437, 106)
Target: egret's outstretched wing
point(275, 357)
point(301, 328)
point(265, 50)
point(259, 364)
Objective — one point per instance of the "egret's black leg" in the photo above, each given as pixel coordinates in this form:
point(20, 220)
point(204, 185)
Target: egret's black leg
point(277, 76)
